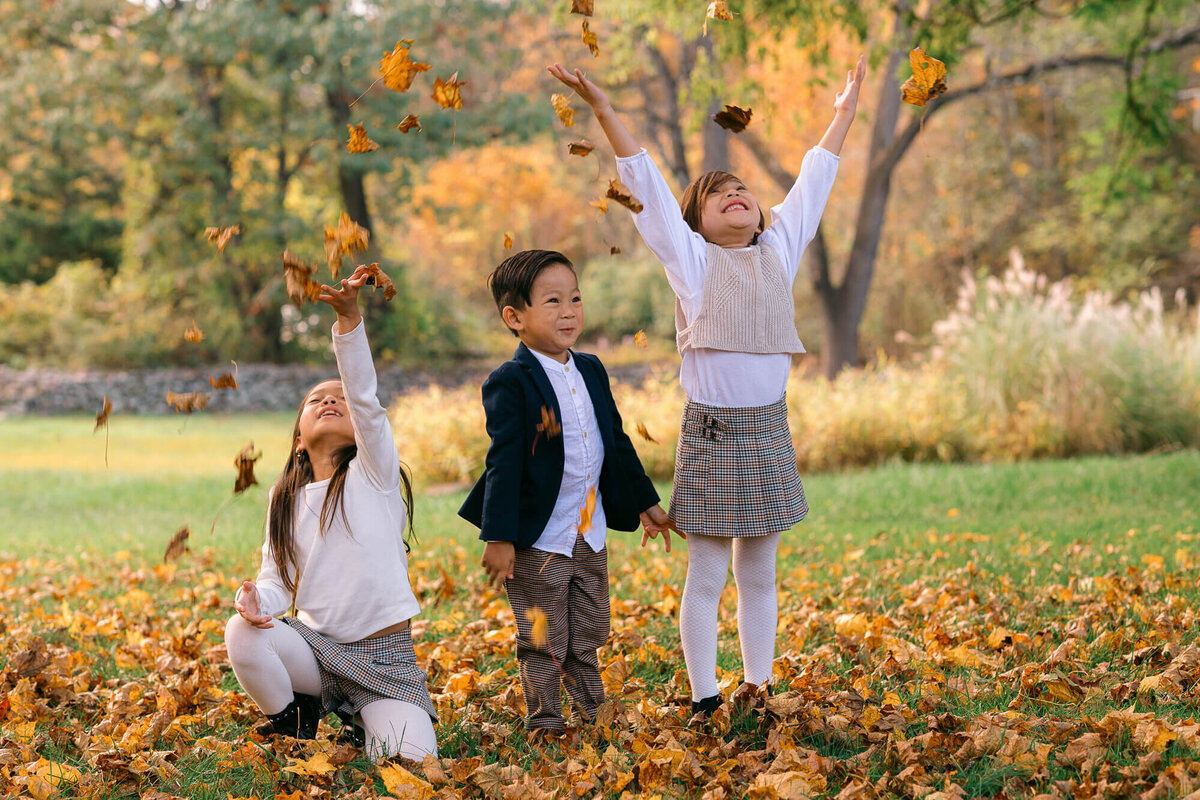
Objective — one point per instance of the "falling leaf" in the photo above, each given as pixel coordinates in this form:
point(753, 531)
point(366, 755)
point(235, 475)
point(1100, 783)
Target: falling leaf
point(539, 633)
point(193, 334)
point(585, 513)
point(221, 236)
point(549, 424)
point(562, 107)
point(397, 69)
point(377, 278)
point(585, 7)
point(245, 468)
point(589, 38)
point(508, 241)
point(188, 402)
point(226, 381)
point(641, 340)
point(359, 142)
point(178, 544)
point(409, 122)
point(102, 414)
point(620, 192)
point(346, 239)
point(927, 81)
point(717, 9)
point(297, 276)
point(645, 434)
point(580, 148)
point(600, 205)
point(733, 119)
point(614, 250)
point(448, 93)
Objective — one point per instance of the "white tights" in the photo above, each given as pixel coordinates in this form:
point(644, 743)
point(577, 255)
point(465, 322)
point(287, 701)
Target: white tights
point(275, 664)
point(757, 614)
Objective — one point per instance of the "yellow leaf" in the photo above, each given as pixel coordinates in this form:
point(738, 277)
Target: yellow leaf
point(401, 782)
point(539, 633)
point(927, 81)
point(640, 340)
point(851, 624)
point(448, 93)
point(589, 38)
point(317, 765)
point(359, 142)
point(562, 107)
point(952, 513)
point(193, 334)
point(585, 513)
point(398, 70)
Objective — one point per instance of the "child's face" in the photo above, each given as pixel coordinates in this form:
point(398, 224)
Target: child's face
point(553, 320)
point(729, 217)
point(325, 419)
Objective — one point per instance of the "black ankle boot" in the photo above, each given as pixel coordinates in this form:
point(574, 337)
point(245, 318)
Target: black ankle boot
point(299, 718)
point(350, 733)
point(706, 706)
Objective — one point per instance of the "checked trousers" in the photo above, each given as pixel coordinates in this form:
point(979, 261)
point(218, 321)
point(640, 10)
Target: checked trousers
point(573, 592)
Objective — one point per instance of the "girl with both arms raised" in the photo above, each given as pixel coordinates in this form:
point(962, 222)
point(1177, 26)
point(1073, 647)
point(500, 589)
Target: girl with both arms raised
point(335, 553)
point(736, 482)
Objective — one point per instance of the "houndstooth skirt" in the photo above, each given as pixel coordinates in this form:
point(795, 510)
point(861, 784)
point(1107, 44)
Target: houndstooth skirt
point(735, 472)
point(356, 674)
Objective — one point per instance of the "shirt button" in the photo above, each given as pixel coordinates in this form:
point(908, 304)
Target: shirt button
point(572, 391)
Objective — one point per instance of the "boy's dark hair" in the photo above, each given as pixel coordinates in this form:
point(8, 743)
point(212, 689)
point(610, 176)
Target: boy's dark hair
point(512, 281)
point(699, 189)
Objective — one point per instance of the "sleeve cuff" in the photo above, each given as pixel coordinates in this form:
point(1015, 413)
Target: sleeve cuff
point(626, 159)
point(819, 149)
point(359, 330)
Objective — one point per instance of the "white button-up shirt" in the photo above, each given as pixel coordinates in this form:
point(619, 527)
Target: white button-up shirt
point(583, 456)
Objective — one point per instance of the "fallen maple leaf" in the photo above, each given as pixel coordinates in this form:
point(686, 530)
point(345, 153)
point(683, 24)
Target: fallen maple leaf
point(733, 119)
point(359, 142)
point(221, 236)
point(409, 122)
point(585, 7)
point(645, 434)
point(717, 9)
point(620, 192)
point(380, 280)
point(585, 513)
point(178, 544)
point(188, 402)
point(508, 241)
point(397, 69)
point(539, 633)
point(245, 468)
point(927, 81)
point(562, 107)
point(297, 277)
point(641, 340)
point(580, 148)
point(319, 764)
point(193, 334)
point(589, 38)
point(448, 93)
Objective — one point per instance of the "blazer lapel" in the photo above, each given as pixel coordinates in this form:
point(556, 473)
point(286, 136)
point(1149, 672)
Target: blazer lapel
point(537, 373)
point(600, 399)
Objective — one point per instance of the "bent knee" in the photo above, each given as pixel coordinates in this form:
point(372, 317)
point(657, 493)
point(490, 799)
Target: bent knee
point(243, 640)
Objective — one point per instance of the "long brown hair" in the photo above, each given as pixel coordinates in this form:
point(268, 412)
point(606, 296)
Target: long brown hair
point(698, 190)
point(297, 473)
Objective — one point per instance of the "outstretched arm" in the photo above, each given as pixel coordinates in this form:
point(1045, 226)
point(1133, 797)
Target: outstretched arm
point(844, 105)
point(622, 141)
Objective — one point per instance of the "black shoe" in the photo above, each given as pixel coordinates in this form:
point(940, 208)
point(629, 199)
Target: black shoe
point(706, 706)
point(350, 733)
point(298, 719)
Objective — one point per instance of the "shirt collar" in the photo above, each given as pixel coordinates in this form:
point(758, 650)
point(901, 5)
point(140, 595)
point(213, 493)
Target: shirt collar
point(554, 367)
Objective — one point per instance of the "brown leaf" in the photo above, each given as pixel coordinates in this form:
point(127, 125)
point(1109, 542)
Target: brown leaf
point(297, 276)
point(614, 250)
point(733, 119)
point(645, 434)
point(580, 148)
point(380, 280)
point(221, 236)
point(359, 142)
point(448, 93)
point(927, 81)
point(562, 107)
point(188, 402)
point(397, 69)
point(178, 544)
point(245, 468)
point(589, 38)
point(193, 334)
point(620, 192)
point(346, 239)
point(433, 771)
point(585, 7)
point(102, 414)
point(226, 381)
point(409, 122)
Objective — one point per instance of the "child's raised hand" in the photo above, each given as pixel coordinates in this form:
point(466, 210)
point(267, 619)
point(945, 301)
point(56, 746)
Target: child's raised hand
point(247, 606)
point(588, 92)
point(344, 299)
point(655, 521)
point(846, 101)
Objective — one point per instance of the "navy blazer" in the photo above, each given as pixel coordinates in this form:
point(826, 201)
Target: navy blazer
point(513, 499)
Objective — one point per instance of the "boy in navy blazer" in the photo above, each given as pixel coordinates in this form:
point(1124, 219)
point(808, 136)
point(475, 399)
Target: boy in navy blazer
point(560, 470)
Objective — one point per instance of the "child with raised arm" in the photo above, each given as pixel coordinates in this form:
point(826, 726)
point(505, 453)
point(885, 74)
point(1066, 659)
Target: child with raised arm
point(736, 482)
point(335, 553)
point(559, 471)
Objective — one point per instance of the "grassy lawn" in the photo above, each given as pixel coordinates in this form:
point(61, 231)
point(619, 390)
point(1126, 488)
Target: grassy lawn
point(1038, 596)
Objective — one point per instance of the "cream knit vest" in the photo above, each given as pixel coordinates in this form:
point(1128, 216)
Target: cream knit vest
point(746, 305)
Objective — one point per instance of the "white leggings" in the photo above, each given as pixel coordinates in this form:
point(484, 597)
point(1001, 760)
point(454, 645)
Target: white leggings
point(757, 614)
point(275, 664)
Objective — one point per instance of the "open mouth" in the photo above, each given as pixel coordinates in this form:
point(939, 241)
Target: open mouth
point(329, 412)
point(736, 205)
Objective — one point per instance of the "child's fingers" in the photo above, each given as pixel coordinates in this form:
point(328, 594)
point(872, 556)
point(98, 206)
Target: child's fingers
point(667, 540)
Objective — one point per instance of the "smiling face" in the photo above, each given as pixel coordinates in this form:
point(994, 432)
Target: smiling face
point(324, 418)
point(553, 320)
point(729, 216)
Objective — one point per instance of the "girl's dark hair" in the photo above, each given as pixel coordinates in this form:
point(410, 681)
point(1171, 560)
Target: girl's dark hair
point(512, 281)
point(698, 190)
point(297, 473)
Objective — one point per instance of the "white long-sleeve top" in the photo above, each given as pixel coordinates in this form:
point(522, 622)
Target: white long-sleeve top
point(719, 377)
point(353, 580)
point(583, 457)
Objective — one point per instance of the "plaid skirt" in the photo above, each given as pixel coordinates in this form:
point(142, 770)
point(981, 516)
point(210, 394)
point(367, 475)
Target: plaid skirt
point(735, 472)
point(356, 674)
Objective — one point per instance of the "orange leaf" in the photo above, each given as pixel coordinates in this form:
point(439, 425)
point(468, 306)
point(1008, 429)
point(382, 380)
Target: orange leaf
point(221, 236)
point(359, 142)
point(733, 119)
point(226, 381)
point(508, 241)
point(397, 69)
point(347, 238)
point(297, 276)
point(549, 424)
point(193, 334)
point(319, 764)
point(585, 7)
point(245, 467)
point(562, 107)
point(580, 148)
point(600, 205)
point(188, 402)
point(410, 122)
point(620, 192)
point(539, 635)
point(102, 415)
point(645, 434)
point(380, 280)
point(448, 93)
point(178, 544)
point(927, 81)
point(717, 9)
point(590, 40)
point(585, 513)
point(641, 340)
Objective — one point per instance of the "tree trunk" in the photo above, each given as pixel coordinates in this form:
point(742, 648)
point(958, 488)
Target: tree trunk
point(351, 185)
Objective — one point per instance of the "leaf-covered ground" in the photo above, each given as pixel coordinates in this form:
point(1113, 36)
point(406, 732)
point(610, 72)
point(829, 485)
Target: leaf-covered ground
point(1023, 643)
